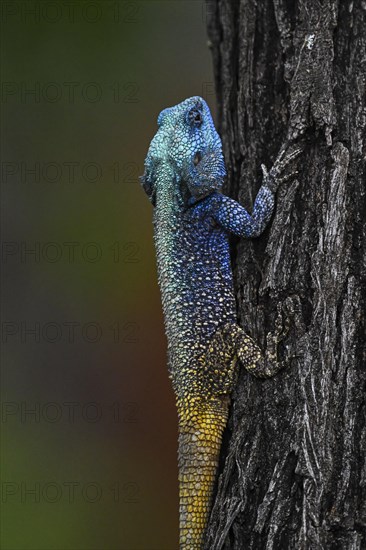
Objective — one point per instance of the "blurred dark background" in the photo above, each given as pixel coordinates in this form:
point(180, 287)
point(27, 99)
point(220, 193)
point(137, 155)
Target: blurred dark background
point(88, 417)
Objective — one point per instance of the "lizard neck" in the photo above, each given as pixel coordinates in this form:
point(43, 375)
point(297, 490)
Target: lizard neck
point(171, 199)
point(169, 227)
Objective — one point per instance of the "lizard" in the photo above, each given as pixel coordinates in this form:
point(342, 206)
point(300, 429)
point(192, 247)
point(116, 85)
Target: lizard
point(183, 178)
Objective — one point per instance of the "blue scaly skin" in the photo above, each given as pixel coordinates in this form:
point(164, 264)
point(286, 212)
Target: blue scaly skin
point(184, 172)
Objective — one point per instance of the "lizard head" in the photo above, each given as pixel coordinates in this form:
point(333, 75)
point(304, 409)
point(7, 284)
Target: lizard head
point(188, 143)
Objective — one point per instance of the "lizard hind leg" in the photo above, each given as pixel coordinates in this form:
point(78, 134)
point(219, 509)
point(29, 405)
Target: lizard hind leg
point(230, 344)
point(267, 364)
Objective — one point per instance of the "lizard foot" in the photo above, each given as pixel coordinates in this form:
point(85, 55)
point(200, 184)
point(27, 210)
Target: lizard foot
point(269, 365)
point(278, 173)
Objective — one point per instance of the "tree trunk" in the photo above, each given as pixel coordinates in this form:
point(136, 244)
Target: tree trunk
point(293, 472)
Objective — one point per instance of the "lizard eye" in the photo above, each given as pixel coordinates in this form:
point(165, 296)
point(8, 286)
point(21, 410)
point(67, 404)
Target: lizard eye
point(196, 159)
point(195, 117)
point(198, 118)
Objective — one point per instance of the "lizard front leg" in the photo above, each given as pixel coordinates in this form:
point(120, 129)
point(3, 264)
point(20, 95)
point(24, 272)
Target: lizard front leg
point(234, 218)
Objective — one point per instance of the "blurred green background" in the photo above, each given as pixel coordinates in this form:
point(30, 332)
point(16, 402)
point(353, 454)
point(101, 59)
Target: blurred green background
point(89, 424)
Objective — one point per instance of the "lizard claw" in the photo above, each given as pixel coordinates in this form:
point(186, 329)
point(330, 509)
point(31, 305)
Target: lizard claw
point(264, 170)
point(277, 173)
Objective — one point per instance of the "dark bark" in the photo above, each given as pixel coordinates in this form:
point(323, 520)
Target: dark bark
point(294, 460)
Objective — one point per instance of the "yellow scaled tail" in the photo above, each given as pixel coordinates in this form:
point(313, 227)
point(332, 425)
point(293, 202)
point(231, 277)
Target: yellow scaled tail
point(201, 425)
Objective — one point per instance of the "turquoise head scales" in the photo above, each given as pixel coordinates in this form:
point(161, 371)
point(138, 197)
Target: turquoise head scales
point(188, 141)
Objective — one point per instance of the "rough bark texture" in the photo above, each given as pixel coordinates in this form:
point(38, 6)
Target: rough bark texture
point(293, 469)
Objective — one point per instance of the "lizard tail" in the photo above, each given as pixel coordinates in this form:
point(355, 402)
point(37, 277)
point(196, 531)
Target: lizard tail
point(200, 435)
